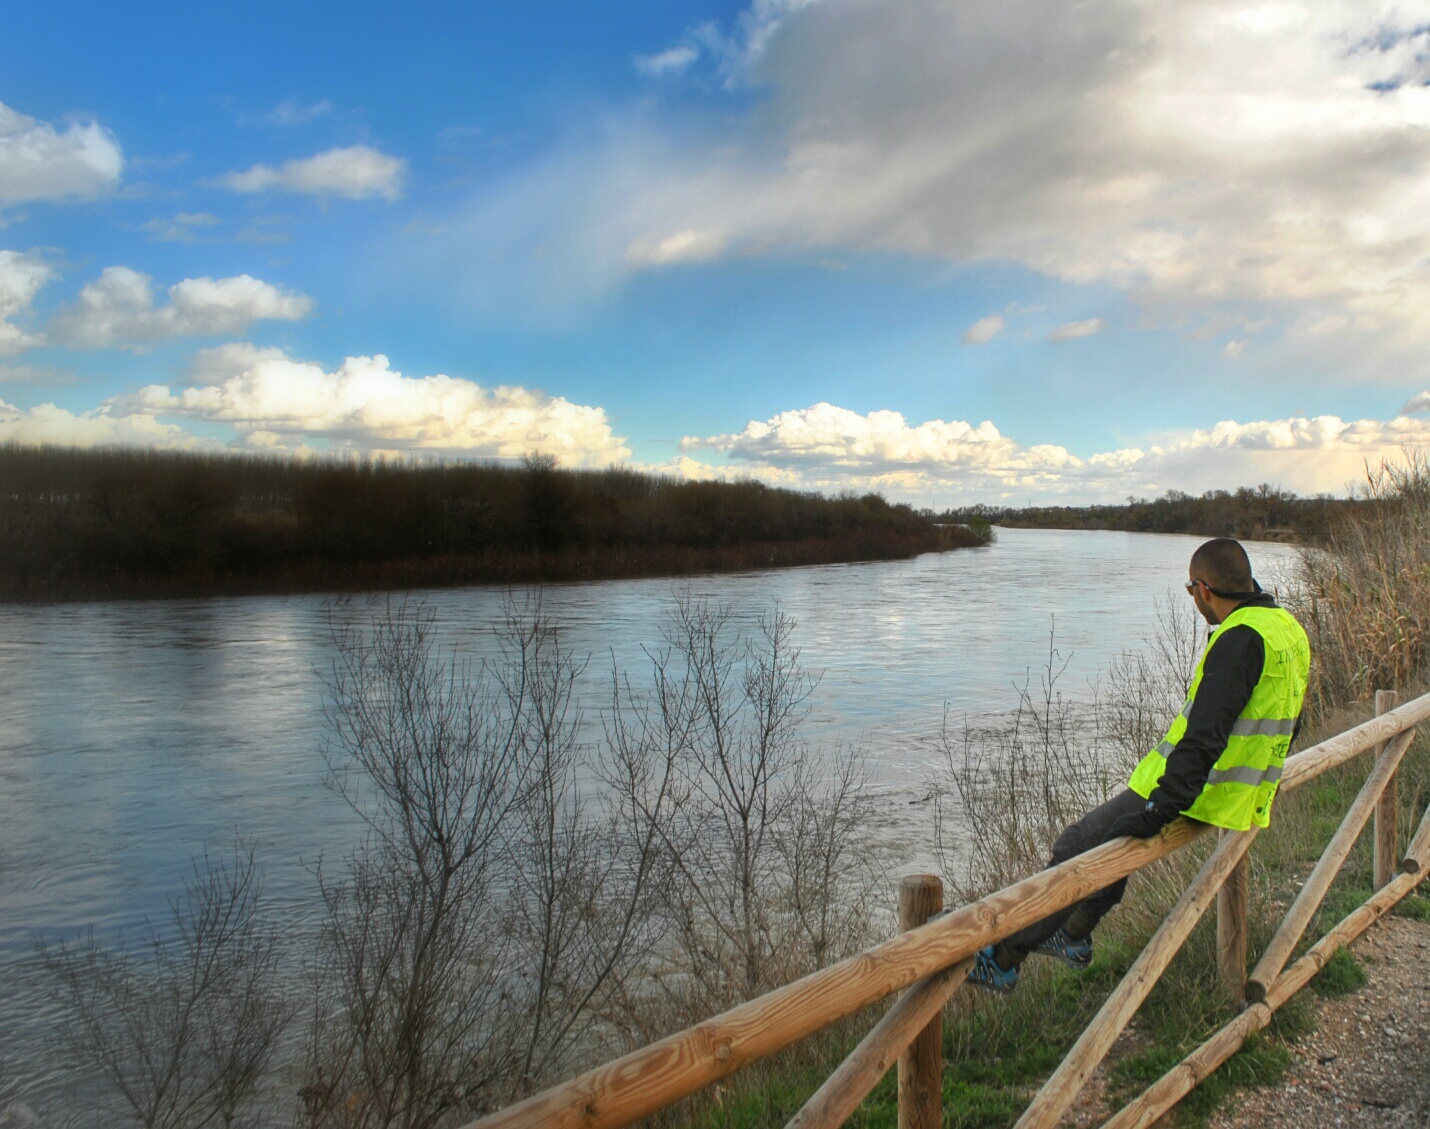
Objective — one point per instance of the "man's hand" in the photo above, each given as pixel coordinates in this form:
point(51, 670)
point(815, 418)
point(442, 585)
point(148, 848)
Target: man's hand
point(1139, 824)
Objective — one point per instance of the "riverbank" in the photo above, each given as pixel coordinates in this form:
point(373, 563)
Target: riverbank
point(122, 524)
point(492, 567)
point(1262, 513)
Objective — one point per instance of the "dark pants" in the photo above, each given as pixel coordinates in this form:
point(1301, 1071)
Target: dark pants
point(1088, 832)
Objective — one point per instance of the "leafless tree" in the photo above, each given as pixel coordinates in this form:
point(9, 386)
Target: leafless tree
point(428, 752)
point(184, 1031)
point(582, 867)
point(486, 931)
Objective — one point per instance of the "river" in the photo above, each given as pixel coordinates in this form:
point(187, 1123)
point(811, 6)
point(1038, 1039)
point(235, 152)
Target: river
point(133, 735)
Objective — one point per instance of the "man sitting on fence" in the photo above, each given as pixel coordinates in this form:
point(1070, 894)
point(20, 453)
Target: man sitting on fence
point(1219, 763)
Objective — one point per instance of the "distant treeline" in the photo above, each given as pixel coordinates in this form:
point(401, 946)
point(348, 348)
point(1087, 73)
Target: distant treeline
point(1252, 513)
point(78, 524)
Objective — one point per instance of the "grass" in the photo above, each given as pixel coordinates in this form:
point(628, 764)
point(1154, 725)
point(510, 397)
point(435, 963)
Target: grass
point(1342, 975)
point(1415, 907)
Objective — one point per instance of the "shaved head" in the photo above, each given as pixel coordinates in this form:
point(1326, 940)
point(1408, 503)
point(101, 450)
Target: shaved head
point(1223, 565)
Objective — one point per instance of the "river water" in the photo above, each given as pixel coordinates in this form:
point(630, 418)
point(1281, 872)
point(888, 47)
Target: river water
point(135, 735)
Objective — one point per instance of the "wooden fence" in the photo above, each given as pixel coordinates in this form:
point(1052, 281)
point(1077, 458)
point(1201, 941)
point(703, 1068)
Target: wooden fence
point(932, 956)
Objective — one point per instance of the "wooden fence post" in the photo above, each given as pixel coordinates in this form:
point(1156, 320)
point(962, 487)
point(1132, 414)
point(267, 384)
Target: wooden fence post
point(1387, 812)
point(1231, 914)
point(921, 1066)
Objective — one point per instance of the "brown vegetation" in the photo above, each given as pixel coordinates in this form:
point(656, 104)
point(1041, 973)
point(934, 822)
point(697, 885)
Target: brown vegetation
point(123, 523)
point(1251, 513)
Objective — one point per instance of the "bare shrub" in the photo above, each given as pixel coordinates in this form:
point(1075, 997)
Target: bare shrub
point(763, 871)
point(183, 1032)
point(1365, 599)
point(1010, 786)
point(428, 753)
point(583, 868)
point(482, 937)
point(1143, 690)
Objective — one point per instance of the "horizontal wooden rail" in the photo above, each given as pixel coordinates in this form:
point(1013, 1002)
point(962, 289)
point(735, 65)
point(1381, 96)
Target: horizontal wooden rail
point(644, 1081)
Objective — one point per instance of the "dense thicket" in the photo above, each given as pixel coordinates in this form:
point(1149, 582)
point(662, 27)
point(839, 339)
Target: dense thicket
point(1253, 513)
point(126, 522)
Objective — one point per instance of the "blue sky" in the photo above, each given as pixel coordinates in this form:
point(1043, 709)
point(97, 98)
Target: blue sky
point(951, 251)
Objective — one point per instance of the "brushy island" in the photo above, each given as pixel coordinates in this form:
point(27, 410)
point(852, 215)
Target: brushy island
point(78, 524)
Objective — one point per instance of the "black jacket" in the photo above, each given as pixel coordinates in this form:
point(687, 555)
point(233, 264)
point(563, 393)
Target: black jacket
point(1233, 668)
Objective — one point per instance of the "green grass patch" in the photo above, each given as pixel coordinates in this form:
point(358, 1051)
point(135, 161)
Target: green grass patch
point(1342, 975)
point(1414, 907)
point(1261, 1062)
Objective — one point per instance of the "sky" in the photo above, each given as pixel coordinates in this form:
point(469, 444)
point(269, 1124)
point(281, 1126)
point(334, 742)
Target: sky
point(954, 251)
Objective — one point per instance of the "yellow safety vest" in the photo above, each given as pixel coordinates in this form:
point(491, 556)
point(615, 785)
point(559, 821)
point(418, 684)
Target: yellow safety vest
point(1242, 783)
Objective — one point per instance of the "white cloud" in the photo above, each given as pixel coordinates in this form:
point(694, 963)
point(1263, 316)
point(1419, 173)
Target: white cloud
point(1072, 330)
point(39, 162)
point(680, 247)
point(671, 61)
point(181, 228)
point(1420, 402)
point(825, 447)
point(1211, 152)
point(983, 330)
point(357, 173)
point(21, 277)
point(50, 424)
point(118, 309)
point(273, 400)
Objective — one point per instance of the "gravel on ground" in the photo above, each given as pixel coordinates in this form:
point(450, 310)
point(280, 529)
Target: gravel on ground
point(1368, 1061)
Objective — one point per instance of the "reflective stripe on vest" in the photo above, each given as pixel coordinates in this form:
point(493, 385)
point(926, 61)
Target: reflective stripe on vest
point(1241, 785)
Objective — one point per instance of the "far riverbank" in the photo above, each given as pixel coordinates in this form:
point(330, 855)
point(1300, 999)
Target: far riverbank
point(1260, 513)
point(125, 524)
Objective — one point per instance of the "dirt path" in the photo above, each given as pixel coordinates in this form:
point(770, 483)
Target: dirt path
point(1368, 1062)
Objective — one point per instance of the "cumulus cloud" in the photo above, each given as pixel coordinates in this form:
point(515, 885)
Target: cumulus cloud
point(826, 447)
point(40, 162)
point(21, 277)
point(671, 61)
point(983, 330)
point(357, 173)
point(273, 400)
point(99, 428)
point(118, 308)
point(1071, 330)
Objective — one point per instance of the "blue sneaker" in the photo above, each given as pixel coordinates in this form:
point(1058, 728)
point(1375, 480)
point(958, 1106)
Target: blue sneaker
point(1076, 951)
point(988, 974)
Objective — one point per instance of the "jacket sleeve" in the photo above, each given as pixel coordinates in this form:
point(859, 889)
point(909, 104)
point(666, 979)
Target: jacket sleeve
point(1232, 669)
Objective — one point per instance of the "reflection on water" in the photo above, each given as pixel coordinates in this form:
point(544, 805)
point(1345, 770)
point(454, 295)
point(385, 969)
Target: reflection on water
point(132, 735)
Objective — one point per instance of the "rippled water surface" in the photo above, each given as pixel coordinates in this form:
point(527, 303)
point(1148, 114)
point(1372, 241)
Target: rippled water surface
point(133, 735)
